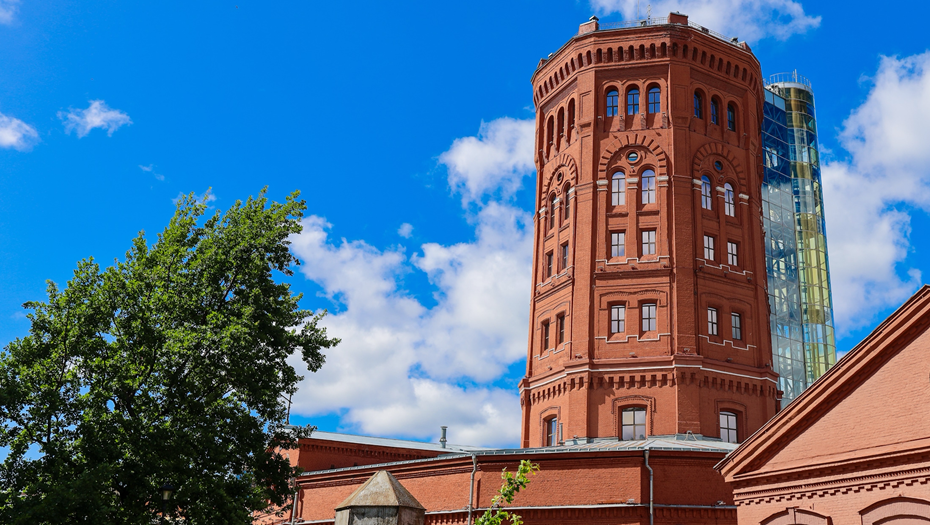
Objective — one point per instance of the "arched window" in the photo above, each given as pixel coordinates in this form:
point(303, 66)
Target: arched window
point(655, 100)
point(729, 207)
point(633, 424)
point(566, 207)
point(632, 101)
point(731, 117)
point(698, 105)
point(552, 431)
point(648, 187)
point(560, 130)
point(706, 199)
point(550, 129)
point(571, 121)
point(613, 100)
point(552, 212)
point(714, 112)
point(728, 427)
point(618, 189)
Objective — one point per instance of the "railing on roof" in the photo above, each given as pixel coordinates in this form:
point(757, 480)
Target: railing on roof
point(663, 20)
point(793, 76)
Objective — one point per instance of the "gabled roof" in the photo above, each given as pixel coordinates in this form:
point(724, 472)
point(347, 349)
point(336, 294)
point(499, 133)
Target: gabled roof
point(894, 334)
point(381, 490)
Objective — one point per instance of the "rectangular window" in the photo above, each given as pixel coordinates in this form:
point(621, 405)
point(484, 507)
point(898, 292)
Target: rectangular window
point(545, 335)
point(648, 187)
point(713, 112)
point(737, 323)
point(549, 265)
point(613, 100)
point(732, 257)
point(618, 244)
point(731, 118)
point(633, 424)
point(708, 248)
point(655, 104)
point(564, 249)
point(712, 321)
point(618, 190)
point(728, 427)
point(560, 321)
point(649, 242)
point(552, 432)
point(617, 319)
point(649, 317)
point(632, 102)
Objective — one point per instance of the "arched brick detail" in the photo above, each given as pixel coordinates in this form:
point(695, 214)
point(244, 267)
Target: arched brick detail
point(563, 161)
point(721, 150)
point(632, 139)
point(796, 516)
point(890, 510)
point(649, 401)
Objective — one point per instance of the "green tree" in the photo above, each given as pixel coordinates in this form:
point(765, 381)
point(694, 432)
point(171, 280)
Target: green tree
point(170, 366)
point(513, 483)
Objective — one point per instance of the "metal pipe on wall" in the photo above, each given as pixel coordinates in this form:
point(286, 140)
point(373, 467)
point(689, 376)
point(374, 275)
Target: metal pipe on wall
point(646, 455)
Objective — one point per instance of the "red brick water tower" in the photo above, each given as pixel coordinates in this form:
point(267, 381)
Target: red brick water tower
point(649, 312)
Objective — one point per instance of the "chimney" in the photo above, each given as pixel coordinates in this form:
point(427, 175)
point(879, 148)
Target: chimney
point(677, 18)
point(589, 26)
point(442, 440)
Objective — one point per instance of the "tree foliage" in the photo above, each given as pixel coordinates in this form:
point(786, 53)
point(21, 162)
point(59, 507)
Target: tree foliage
point(513, 483)
point(170, 366)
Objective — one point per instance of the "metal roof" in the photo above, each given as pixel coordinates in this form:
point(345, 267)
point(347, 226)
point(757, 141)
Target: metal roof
point(393, 443)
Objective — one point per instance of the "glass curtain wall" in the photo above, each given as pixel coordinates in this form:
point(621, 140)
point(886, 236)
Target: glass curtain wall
point(803, 341)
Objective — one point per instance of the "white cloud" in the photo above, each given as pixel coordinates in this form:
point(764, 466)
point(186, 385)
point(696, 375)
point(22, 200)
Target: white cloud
point(405, 230)
point(8, 9)
point(494, 162)
point(97, 115)
point(404, 368)
point(150, 169)
point(750, 20)
point(868, 197)
point(15, 133)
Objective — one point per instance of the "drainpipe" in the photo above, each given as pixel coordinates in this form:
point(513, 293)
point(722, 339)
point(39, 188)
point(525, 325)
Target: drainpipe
point(646, 454)
point(294, 508)
point(471, 486)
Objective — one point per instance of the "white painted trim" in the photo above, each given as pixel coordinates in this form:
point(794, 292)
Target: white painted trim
point(565, 374)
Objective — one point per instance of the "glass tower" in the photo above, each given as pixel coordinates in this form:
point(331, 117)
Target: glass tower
point(803, 342)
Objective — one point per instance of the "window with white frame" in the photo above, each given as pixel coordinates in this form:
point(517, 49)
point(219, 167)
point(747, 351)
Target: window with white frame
point(545, 335)
point(633, 424)
point(560, 324)
point(728, 427)
point(649, 242)
point(729, 206)
point(712, 321)
point(564, 254)
point(618, 189)
point(736, 323)
point(618, 244)
point(732, 257)
point(552, 212)
point(552, 431)
point(648, 187)
point(617, 319)
point(566, 206)
point(708, 248)
point(707, 202)
point(648, 312)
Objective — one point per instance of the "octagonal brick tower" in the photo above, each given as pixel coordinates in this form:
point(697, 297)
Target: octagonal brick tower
point(649, 271)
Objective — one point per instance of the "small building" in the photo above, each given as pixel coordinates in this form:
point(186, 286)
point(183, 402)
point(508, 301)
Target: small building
point(855, 446)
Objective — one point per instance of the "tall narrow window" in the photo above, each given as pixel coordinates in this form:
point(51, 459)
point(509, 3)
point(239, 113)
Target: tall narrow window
point(617, 319)
point(728, 427)
point(655, 100)
point(706, 199)
point(564, 255)
point(545, 335)
point(549, 265)
point(649, 242)
point(552, 432)
point(732, 256)
point(560, 323)
point(649, 187)
point(698, 105)
point(736, 322)
point(553, 211)
point(714, 112)
point(566, 206)
point(613, 99)
point(729, 207)
point(633, 424)
point(709, 248)
point(731, 118)
point(711, 321)
point(618, 244)
point(649, 317)
point(618, 189)
point(632, 101)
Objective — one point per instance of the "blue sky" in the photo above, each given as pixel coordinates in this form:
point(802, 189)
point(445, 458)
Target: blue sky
point(408, 129)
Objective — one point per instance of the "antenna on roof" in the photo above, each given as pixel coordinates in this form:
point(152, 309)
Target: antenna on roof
point(637, 9)
point(648, 12)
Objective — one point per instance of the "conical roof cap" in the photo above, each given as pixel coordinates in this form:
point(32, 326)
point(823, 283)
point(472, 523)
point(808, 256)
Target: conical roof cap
point(381, 490)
